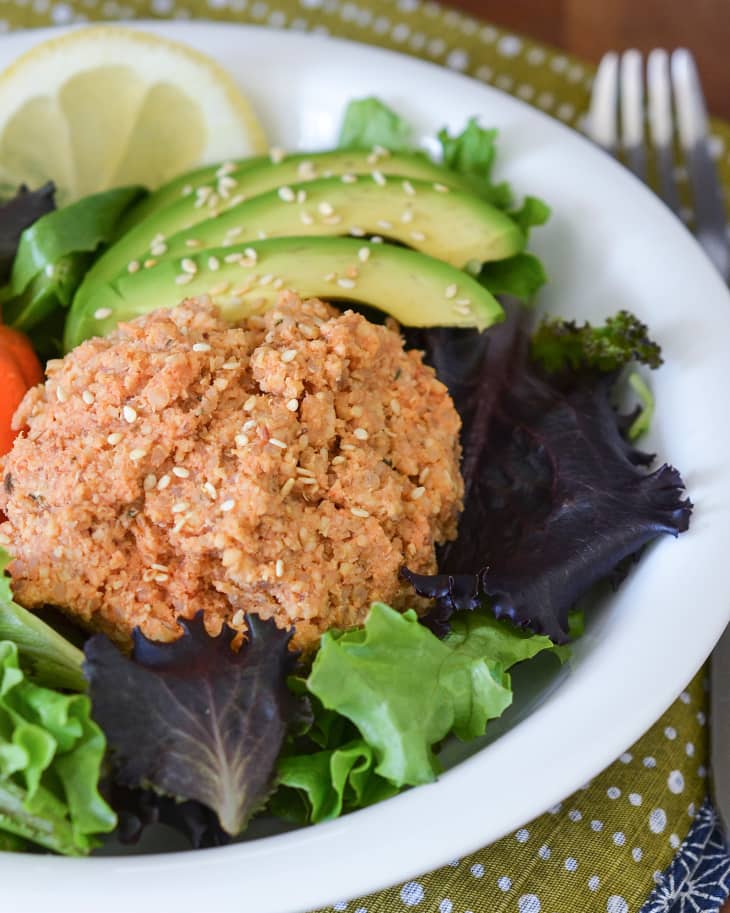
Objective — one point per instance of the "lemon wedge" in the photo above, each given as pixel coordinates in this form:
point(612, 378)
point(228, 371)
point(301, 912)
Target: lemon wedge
point(105, 106)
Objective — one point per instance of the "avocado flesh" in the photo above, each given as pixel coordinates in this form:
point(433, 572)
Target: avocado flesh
point(247, 278)
point(250, 182)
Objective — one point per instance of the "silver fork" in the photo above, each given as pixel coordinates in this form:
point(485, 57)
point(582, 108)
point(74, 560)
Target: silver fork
point(671, 102)
point(669, 98)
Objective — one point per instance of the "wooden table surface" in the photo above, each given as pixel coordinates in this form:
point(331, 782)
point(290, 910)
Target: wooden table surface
point(589, 28)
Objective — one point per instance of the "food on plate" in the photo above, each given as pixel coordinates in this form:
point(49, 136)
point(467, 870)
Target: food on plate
point(19, 371)
point(285, 466)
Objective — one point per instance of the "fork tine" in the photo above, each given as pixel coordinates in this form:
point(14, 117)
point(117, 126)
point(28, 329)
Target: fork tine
point(659, 104)
point(632, 112)
point(601, 122)
point(710, 214)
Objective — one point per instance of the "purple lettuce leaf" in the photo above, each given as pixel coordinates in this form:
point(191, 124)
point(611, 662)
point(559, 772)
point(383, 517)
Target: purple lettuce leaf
point(555, 497)
point(16, 214)
point(195, 720)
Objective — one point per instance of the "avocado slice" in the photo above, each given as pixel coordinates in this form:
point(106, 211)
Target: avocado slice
point(147, 239)
point(243, 279)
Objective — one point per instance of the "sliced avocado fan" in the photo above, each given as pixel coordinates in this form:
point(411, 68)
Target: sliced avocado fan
point(245, 279)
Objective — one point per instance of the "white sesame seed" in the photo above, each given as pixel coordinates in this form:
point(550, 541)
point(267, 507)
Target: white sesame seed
point(241, 440)
point(163, 483)
point(225, 168)
point(381, 152)
point(87, 397)
point(279, 568)
point(276, 154)
point(102, 313)
point(325, 208)
point(184, 278)
point(440, 188)
point(249, 425)
point(424, 474)
point(203, 192)
point(262, 235)
point(129, 414)
point(378, 177)
point(201, 347)
point(451, 290)
point(181, 472)
point(302, 471)
point(347, 447)
point(238, 619)
point(348, 178)
point(193, 242)
point(149, 263)
point(189, 266)
point(287, 194)
point(464, 302)
point(114, 438)
point(307, 480)
point(275, 442)
point(359, 512)
point(406, 216)
point(225, 184)
point(159, 238)
point(220, 289)
point(266, 279)
point(157, 250)
point(361, 434)
point(363, 254)
point(301, 196)
point(306, 219)
point(288, 355)
point(330, 277)
point(61, 395)
point(186, 191)
point(213, 200)
point(356, 411)
point(249, 405)
point(418, 493)
point(376, 239)
point(228, 505)
point(293, 405)
point(306, 170)
point(346, 283)
point(395, 407)
point(239, 198)
point(133, 266)
point(234, 232)
point(418, 236)
point(137, 454)
point(210, 490)
point(233, 258)
point(230, 365)
point(251, 253)
point(357, 232)
point(214, 263)
point(408, 188)
point(278, 284)
point(332, 220)
point(180, 507)
point(161, 577)
point(385, 224)
point(462, 309)
point(287, 487)
point(337, 460)
point(149, 482)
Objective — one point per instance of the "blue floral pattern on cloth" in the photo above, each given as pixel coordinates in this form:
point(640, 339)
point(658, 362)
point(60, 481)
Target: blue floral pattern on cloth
point(698, 880)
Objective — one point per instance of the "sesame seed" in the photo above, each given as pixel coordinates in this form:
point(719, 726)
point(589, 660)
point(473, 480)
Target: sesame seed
point(214, 263)
point(440, 188)
point(234, 232)
point(201, 347)
point(348, 178)
point(279, 568)
point(181, 472)
point(302, 471)
point(418, 493)
point(306, 169)
point(251, 253)
point(406, 216)
point(87, 397)
point(189, 266)
point(202, 193)
point(61, 395)
point(356, 411)
point(451, 290)
point(347, 447)
point(221, 288)
point(137, 454)
point(180, 507)
point(332, 220)
point(424, 474)
point(275, 442)
point(346, 283)
point(305, 218)
point(221, 383)
point(278, 284)
point(464, 302)
point(241, 440)
point(385, 224)
point(381, 152)
point(249, 425)
point(263, 235)
point(193, 242)
point(231, 365)
point(337, 460)
point(359, 512)
point(287, 487)
point(288, 355)
point(225, 184)
point(129, 414)
point(378, 177)
point(149, 263)
point(361, 434)
point(210, 490)
point(184, 278)
point(159, 238)
point(363, 254)
point(225, 168)
point(180, 523)
point(228, 505)
point(266, 279)
point(330, 277)
point(149, 482)
point(395, 407)
point(418, 236)
point(133, 266)
point(157, 250)
point(102, 313)
point(376, 239)
point(308, 480)
point(287, 194)
point(186, 191)
point(239, 198)
point(276, 154)
point(293, 405)
point(411, 548)
point(325, 208)
point(357, 232)
point(238, 618)
point(213, 200)
point(301, 196)
point(249, 405)
point(114, 438)
point(408, 188)
point(163, 483)
point(462, 309)
point(233, 258)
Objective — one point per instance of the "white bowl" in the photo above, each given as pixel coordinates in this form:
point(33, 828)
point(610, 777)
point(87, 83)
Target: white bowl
point(609, 244)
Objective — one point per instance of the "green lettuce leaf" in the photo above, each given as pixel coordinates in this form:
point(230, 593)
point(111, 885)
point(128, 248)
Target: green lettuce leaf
point(521, 276)
point(532, 213)
point(51, 753)
point(472, 153)
point(642, 422)
point(47, 657)
point(367, 122)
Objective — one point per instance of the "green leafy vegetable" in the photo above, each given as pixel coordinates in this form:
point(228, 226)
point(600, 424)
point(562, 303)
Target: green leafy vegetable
point(640, 425)
point(50, 760)
point(368, 122)
point(45, 655)
point(562, 345)
point(195, 720)
point(532, 213)
point(520, 276)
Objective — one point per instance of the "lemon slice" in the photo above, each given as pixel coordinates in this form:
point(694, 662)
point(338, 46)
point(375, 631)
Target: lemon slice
point(105, 106)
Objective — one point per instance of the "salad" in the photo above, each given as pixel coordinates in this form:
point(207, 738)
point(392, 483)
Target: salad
point(180, 641)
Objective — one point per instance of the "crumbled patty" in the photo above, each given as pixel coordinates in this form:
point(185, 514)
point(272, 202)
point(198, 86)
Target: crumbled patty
point(287, 466)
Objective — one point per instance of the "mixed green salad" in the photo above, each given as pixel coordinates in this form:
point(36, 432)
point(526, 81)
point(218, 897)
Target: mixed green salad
point(201, 736)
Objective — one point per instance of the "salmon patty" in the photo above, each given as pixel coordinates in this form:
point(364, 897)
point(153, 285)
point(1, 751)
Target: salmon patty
point(287, 466)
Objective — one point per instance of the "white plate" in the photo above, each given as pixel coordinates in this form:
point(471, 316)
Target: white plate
point(610, 244)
